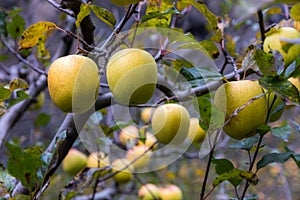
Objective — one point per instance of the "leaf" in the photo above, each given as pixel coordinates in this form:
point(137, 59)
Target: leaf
point(265, 62)
point(178, 64)
point(32, 34)
point(273, 158)
point(15, 23)
point(159, 15)
point(236, 174)
point(104, 15)
point(230, 46)
point(281, 86)
point(282, 132)
point(41, 47)
point(295, 12)
point(42, 119)
point(222, 165)
point(21, 95)
point(84, 11)
point(23, 165)
point(18, 83)
point(4, 93)
point(210, 17)
point(211, 48)
point(246, 144)
point(274, 11)
point(8, 181)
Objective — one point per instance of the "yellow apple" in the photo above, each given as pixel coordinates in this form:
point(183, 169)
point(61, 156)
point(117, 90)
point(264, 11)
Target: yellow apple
point(148, 191)
point(132, 76)
point(124, 175)
point(274, 41)
point(124, 2)
point(97, 160)
point(170, 123)
point(140, 153)
point(146, 114)
point(170, 192)
point(74, 161)
point(196, 133)
point(129, 135)
point(295, 82)
point(73, 83)
point(235, 94)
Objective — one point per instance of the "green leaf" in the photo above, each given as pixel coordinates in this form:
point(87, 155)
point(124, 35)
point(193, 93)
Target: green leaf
point(281, 86)
point(230, 46)
point(295, 12)
point(246, 144)
point(237, 175)
point(274, 11)
point(84, 11)
point(15, 24)
point(42, 119)
point(265, 62)
point(178, 64)
point(222, 165)
point(3, 16)
point(21, 95)
point(8, 181)
point(159, 15)
point(23, 165)
point(4, 93)
point(104, 15)
point(202, 8)
point(211, 48)
point(282, 132)
point(31, 35)
point(18, 83)
point(273, 158)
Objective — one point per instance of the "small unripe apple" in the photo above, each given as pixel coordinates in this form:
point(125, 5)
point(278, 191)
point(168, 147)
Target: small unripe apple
point(196, 133)
point(140, 153)
point(170, 123)
point(73, 83)
point(146, 114)
point(132, 76)
point(74, 161)
point(170, 192)
point(126, 174)
point(235, 94)
point(97, 160)
point(274, 41)
point(129, 135)
point(124, 2)
point(148, 191)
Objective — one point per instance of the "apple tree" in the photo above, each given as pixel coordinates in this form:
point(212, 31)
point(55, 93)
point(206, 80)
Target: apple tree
point(149, 99)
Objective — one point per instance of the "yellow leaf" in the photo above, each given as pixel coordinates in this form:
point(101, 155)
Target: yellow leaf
point(31, 35)
point(18, 83)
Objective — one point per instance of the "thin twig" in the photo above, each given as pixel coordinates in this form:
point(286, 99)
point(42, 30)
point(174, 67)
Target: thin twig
point(59, 7)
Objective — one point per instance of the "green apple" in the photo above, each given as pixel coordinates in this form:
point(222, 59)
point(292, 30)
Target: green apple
point(73, 83)
point(132, 76)
point(74, 161)
point(235, 94)
point(170, 123)
point(148, 191)
point(196, 133)
point(170, 192)
point(124, 175)
point(274, 41)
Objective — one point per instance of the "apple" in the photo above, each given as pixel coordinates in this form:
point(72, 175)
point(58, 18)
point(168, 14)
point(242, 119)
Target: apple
point(124, 2)
point(73, 83)
point(128, 136)
point(148, 191)
point(235, 94)
point(124, 175)
point(274, 41)
point(74, 161)
point(295, 82)
point(196, 133)
point(140, 153)
point(132, 76)
point(170, 192)
point(97, 160)
point(170, 123)
point(146, 114)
